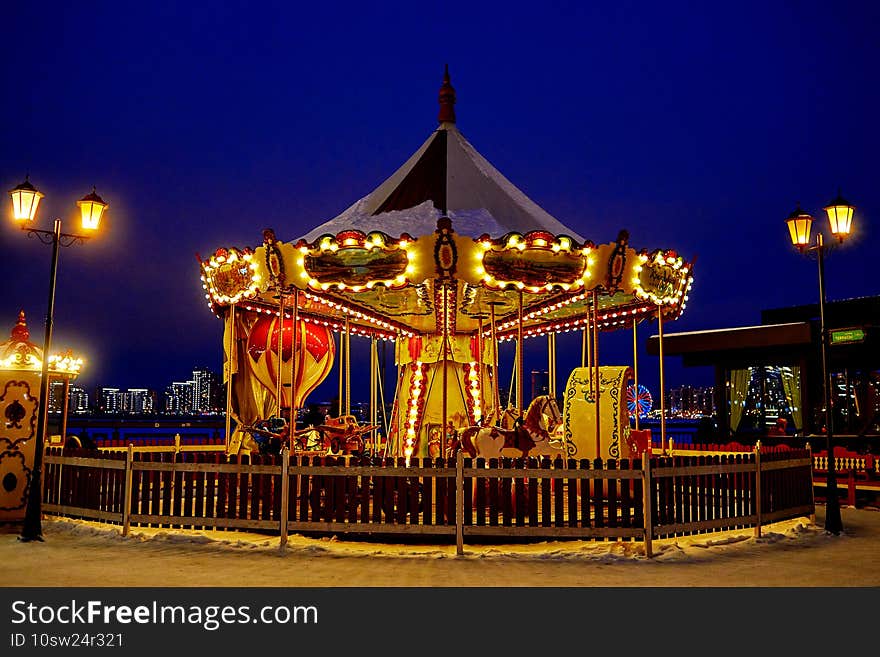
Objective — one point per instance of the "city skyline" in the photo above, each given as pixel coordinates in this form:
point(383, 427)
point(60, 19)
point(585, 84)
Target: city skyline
point(699, 129)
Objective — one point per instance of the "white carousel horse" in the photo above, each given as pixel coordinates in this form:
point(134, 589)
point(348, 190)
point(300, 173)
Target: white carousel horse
point(534, 436)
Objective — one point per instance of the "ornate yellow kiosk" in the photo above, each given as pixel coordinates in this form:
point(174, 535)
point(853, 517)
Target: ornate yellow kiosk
point(20, 367)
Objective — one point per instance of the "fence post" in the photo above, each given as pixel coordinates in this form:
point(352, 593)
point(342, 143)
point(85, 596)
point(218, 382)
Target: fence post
point(646, 504)
point(758, 501)
point(285, 493)
point(812, 484)
point(459, 503)
point(176, 447)
point(126, 494)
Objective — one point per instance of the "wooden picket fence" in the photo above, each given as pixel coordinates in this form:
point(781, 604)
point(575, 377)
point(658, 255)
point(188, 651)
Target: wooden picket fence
point(640, 500)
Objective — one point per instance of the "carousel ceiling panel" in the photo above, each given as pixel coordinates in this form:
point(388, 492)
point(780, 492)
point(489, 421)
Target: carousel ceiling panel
point(412, 306)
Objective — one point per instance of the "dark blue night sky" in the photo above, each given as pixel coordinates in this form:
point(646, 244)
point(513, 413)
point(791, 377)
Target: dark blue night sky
point(696, 126)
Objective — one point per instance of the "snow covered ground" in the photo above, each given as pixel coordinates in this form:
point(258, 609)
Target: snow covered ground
point(797, 552)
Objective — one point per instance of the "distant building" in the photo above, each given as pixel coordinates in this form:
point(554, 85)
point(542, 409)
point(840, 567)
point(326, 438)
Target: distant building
point(206, 390)
point(108, 400)
point(56, 396)
point(690, 401)
point(138, 401)
point(77, 399)
point(179, 398)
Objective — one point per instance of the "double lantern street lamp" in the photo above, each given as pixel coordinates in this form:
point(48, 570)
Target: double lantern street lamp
point(840, 215)
point(25, 200)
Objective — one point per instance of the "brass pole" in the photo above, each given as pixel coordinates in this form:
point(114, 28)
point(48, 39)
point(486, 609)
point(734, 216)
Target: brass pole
point(347, 366)
point(662, 382)
point(519, 357)
point(229, 373)
point(496, 392)
point(293, 362)
point(278, 385)
point(636, 372)
point(584, 344)
point(597, 388)
point(480, 364)
point(339, 409)
point(444, 290)
point(374, 366)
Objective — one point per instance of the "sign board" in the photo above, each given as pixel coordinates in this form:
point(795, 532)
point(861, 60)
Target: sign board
point(847, 336)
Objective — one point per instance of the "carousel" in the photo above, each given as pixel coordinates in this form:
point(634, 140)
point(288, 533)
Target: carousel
point(447, 260)
point(21, 364)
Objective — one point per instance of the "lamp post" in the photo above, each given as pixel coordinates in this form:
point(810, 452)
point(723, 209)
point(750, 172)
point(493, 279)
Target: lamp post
point(840, 215)
point(25, 200)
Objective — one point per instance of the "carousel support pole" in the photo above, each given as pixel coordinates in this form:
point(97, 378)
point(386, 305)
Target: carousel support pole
point(511, 389)
point(597, 387)
point(445, 372)
point(662, 382)
point(341, 351)
point(519, 356)
point(382, 401)
point(347, 366)
point(480, 364)
point(550, 364)
point(496, 393)
point(229, 361)
point(279, 389)
point(584, 346)
point(588, 344)
point(293, 373)
point(636, 372)
point(374, 366)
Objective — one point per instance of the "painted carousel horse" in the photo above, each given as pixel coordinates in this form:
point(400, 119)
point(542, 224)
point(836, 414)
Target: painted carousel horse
point(533, 436)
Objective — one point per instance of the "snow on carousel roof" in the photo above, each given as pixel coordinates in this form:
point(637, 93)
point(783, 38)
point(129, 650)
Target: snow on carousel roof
point(446, 175)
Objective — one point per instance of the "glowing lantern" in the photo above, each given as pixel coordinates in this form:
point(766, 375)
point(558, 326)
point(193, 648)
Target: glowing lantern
point(25, 199)
point(840, 215)
point(799, 223)
point(91, 207)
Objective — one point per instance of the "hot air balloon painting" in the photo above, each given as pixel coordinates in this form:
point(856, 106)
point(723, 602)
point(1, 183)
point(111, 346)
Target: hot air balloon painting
point(313, 359)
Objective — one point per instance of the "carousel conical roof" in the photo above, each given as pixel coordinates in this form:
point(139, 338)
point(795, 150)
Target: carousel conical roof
point(445, 176)
point(443, 244)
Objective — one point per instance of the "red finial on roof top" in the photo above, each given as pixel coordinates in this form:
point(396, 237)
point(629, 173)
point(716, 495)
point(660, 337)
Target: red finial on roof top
point(447, 100)
point(20, 331)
